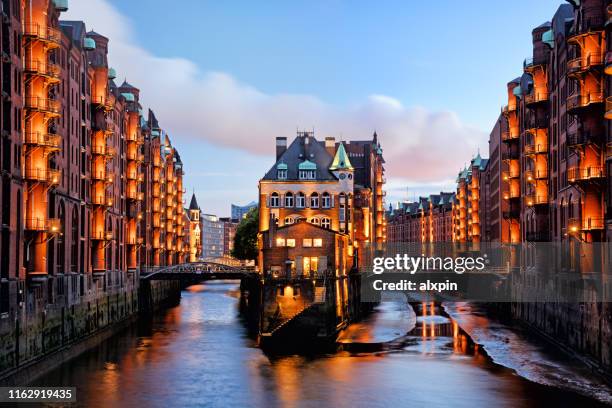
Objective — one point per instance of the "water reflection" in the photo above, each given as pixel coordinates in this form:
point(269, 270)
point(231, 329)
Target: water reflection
point(198, 354)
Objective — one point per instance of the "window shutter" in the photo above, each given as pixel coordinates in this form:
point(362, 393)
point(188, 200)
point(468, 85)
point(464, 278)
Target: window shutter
point(299, 266)
point(322, 267)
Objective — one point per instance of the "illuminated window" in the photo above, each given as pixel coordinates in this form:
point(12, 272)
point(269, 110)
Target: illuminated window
point(310, 265)
point(307, 242)
point(274, 200)
point(280, 242)
point(326, 222)
point(291, 242)
point(317, 242)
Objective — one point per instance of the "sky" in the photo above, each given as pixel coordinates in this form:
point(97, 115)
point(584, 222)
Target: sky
point(226, 78)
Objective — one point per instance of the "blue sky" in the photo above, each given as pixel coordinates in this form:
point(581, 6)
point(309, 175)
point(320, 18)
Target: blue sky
point(433, 56)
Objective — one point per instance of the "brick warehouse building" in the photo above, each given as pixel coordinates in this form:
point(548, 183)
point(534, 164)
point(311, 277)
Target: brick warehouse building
point(319, 204)
point(91, 188)
point(549, 177)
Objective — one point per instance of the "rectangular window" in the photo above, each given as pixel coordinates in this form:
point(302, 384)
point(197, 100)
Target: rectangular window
point(291, 242)
point(280, 242)
point(282, 174)
point(307, 242)
point(317, 242)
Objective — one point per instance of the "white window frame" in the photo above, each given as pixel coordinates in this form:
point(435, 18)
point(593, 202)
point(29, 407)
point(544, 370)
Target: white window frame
point(300, 200)
point(314, 200)
point(274, 200)
point(325, 200)
point(289, 200)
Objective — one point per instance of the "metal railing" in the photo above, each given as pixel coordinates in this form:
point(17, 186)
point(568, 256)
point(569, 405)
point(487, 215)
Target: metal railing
point(585, 173)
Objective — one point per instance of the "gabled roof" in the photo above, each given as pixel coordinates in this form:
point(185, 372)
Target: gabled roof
point(341, 160)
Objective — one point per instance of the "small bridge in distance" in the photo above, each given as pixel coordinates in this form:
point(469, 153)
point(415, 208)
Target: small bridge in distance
point(198, 271)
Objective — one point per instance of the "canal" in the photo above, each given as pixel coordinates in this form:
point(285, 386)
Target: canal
point(199, 354)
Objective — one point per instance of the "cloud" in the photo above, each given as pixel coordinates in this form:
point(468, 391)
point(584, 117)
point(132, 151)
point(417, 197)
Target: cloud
point(419, 145)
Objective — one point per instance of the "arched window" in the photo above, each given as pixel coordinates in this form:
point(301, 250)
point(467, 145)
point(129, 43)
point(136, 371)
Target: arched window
point(300, 200)
point(274, 200)
point(314, 200)
point(61, 242)
point(74, 240)
point(289, 200)
point(326, 222)
point(315, 221)
point(325, 200)
point(289, 220)
point(109, 248)
point(570, 207)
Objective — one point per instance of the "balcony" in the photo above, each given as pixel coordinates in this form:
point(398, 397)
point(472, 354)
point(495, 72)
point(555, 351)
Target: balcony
point(50, 225)
point(585, 26)
point(508, 109)
point(43, 69)
point(608, 62)
point(579, 174)
point(533, 148)
point(510, 135)
point(102, 175)
point(531, 200)
point(508, 175)
point(48, 140)
point(44, 105)
point(536, 97)
point(102, 199)
point(534, 175)
point(51, 36)
point(582, 137)
point(135, 195)
point(581, 65)
point(43, 175)
point(139, 157)
point(586, 224)
point(578, 101)
point(101, 236)
point(103, 150)
point(511, 194)
point(529, 64)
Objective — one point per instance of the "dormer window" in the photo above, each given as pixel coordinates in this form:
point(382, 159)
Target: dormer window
point(307, 170)
point(308, 174)
point(281, 171)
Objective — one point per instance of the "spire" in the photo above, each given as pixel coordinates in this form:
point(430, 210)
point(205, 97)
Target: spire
point(341, 160)
point(194, 203)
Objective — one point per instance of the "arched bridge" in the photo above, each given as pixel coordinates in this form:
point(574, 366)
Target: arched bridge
point(198, 271)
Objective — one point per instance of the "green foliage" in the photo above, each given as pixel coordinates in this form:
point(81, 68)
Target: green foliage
point(245, 240)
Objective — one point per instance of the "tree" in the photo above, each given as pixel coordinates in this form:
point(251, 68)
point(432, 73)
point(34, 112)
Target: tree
point(245, 240)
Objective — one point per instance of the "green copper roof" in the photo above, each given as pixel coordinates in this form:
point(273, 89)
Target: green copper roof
point(112, 74)
point(89, 44)
point(281, 166)
point(61, 5)
point(307, 165)
point(128, 96)
point(517, 91)
point(548, 38)
point(477, 160)
point(341, 160)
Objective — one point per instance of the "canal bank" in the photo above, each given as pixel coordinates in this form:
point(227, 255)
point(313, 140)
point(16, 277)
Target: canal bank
point(199, 353)
point(85, 310)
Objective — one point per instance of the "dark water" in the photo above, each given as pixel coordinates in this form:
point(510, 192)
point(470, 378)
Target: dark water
point(198, 354)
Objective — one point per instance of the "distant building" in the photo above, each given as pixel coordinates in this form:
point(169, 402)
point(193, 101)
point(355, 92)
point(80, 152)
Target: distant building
point(229, 231)
point(212, 236)
point(194, 230)
point(238, 212)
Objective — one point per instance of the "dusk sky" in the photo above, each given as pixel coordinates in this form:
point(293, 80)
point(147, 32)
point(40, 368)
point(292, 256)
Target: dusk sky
point(226, 78)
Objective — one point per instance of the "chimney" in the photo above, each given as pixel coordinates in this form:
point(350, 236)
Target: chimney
point(281, 146)
point(330, 145)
